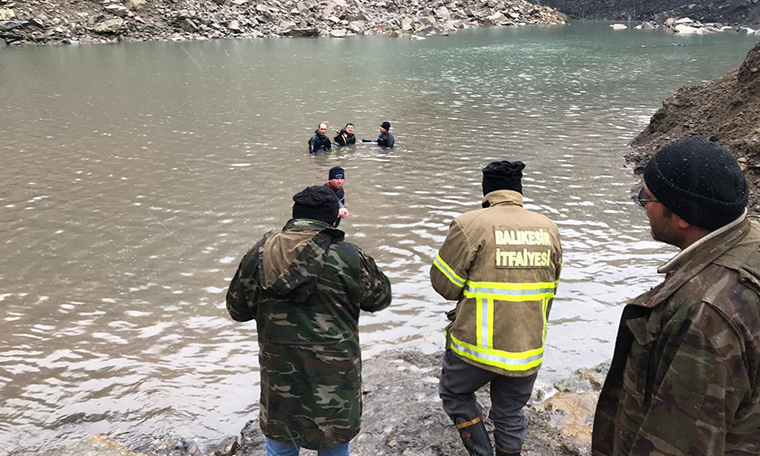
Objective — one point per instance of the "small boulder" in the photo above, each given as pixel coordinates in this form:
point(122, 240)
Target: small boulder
point(406, 23)
point(442, 13)
point(135, 5)
point(670, 22)
point(396, 34)
point(684, 20)
point(357, 27)
point(302, 32)
point(234, 26)
point(7, 14)
point(338, 33)
point(117, 10)
point(682, 29)
point(619, 26)
point(188, 25)
point(109, 27)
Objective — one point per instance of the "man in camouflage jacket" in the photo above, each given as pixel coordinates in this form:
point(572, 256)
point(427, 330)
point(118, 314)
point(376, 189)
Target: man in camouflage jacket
point(684, 375)
point(305, 287)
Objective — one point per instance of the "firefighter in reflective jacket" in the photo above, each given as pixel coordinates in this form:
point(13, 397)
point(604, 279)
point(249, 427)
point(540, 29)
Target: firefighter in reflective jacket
point(502, 264)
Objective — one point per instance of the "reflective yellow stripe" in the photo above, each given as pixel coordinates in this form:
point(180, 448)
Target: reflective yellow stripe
point(448, 272)
point(514, 292)
point(498, 358)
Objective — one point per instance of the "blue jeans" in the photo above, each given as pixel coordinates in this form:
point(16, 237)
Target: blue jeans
point(277, 448)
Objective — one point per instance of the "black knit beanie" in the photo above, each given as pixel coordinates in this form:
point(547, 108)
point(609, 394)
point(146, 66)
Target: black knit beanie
point(386, 125)
point(503, 175)
point(316, 203)
point(699, 181)
point(336, 172)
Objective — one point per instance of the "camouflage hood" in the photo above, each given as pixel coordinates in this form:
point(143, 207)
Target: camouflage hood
point(292, 261)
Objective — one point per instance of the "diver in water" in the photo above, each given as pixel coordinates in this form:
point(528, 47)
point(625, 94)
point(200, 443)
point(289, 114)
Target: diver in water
point(319, 142)
point(346, 135)
point(385, 139)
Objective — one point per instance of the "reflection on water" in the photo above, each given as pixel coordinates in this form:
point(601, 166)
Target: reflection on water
point(135, 176)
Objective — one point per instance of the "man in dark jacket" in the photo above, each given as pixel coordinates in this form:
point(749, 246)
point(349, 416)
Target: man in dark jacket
point(684, 374)
point(336, 178)
point(346, 135)
point(319, 142)
point(305, 287)
point(386, 138)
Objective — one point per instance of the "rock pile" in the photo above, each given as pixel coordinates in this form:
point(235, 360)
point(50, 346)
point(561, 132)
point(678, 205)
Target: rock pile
point(74, 21)
point(688, 26)
point(726, 110)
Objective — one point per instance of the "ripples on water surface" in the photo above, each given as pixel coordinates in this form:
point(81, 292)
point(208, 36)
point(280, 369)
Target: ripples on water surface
point(135, 176)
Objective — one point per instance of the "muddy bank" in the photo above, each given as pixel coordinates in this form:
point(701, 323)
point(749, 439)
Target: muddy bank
point(403, 416)
point(726, 110)
point(727, 12)
point(75, 21)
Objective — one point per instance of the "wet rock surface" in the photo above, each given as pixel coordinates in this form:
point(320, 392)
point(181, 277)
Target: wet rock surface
point(403, 415)
point(726, 110)
point(730, 12)
point(75, 21)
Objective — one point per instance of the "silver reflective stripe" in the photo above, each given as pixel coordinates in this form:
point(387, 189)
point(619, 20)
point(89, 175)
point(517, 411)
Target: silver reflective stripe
point(501, 291)
point(496, 358)
point(448, 272)
point(484, 319)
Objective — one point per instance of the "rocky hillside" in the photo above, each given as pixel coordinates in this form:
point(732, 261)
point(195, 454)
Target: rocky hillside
point(71, 21)
point(726, 110)
point(731, 12)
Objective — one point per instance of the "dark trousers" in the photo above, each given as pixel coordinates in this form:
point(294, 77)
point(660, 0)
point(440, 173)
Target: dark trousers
point(460, 380)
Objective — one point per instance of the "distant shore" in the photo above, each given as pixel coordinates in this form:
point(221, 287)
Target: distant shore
point(74, 22)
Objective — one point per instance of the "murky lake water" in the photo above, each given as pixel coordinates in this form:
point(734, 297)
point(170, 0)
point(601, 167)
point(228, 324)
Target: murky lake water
point(135, 176)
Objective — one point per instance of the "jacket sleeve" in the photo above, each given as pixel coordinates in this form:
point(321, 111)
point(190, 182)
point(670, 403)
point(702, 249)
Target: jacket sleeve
point(558, 265)
point(312, 140)
point(244, 294)
point(449, 271)
point(699, 393)
point(376, 288)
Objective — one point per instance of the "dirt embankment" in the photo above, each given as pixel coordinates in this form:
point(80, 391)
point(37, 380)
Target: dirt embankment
point(728, 12)
point(75, 21)
point(726, 110)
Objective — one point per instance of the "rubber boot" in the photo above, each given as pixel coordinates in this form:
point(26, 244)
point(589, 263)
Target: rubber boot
point(475, 437)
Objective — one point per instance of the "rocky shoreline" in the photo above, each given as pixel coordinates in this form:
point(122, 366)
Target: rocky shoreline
point(74, 21)
point(738, 13)
point(403, 416)
point(726, 110)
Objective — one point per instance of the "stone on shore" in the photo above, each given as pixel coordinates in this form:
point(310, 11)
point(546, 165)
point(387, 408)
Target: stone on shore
point(619, 26)
point(111, 26)
point(7, 14)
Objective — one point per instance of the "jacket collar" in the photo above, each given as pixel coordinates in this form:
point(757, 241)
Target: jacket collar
point(688, 251)
point(314, 225)
point(691, 262)
point(503, 198)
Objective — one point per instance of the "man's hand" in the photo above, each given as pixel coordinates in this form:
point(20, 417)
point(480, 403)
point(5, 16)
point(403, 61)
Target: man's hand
point(342, 212)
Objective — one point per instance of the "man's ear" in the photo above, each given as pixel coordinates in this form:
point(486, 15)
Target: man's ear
point(683, 224)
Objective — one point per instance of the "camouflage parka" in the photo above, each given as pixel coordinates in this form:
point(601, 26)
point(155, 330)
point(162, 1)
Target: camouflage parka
point(305, 287)
point(684, 375)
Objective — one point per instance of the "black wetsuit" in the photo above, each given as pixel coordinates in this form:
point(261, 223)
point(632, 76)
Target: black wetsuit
point(344, 139)
point(385, 140)
point(319, 142)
